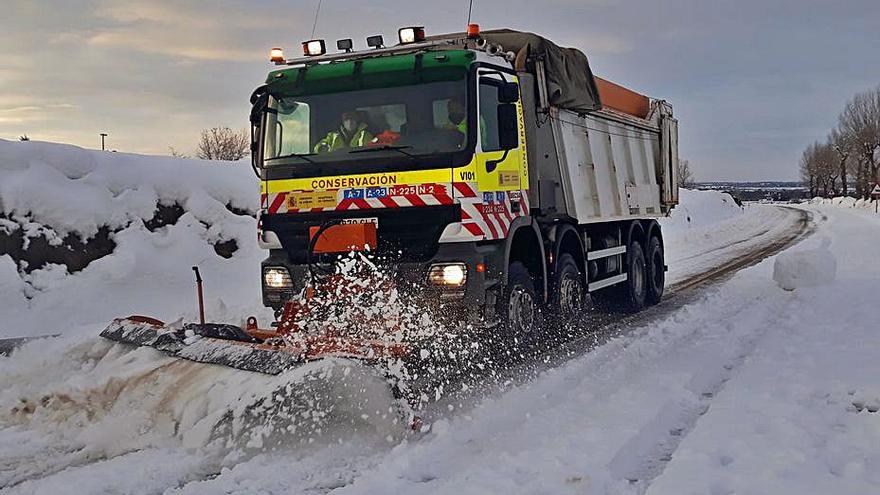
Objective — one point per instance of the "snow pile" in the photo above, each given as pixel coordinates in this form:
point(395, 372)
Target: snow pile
point(805, 267)
point(103, 400)
point(845, 202)
point(699, 209)
point(708, 228)
point(131, 227)
point(69, 189)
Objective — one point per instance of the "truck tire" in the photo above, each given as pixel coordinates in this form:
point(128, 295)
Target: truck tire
point(568, 292)
point(656, 270)
point(629, 296)
point(520, 306)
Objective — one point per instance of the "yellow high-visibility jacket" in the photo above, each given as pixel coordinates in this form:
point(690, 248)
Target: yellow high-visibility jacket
point(335, 140)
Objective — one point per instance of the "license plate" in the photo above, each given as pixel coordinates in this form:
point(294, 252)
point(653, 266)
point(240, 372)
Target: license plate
point(374, 220)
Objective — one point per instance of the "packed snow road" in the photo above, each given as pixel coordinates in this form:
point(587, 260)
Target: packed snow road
point(111, 421)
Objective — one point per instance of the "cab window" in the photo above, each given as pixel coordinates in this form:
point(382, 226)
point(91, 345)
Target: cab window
point(489, 114)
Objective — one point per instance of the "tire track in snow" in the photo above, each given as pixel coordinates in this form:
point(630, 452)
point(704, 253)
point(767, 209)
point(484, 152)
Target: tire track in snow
point(675, 420)
point(644, 456)
point(560, 433)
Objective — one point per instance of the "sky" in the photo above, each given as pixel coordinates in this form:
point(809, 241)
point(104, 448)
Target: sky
point(752, 82)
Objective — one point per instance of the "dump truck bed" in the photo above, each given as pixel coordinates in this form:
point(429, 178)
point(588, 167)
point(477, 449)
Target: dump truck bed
point(615, 165)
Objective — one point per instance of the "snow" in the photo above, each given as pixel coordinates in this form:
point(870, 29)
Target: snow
point(846, 202)
point(805, 267)
point(789, 421)
point(698, 209)
point(743, 387)
point(708, 228)
point(59, 189)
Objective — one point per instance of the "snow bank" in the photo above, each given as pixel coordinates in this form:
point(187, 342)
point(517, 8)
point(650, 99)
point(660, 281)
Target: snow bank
point(845, 202)
point(151, 218)
point(805, 268)
point(708, 228)
point(70, 189)
point(699, 209)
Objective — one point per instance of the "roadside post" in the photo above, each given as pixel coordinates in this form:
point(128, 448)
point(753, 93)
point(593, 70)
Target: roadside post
point(875, 195)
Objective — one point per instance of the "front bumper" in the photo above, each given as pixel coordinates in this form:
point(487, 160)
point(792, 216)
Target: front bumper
point(473, 302)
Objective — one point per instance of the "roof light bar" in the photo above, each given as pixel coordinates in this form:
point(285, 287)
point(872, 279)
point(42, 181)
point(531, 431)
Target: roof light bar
point(344, 45)
point(276, 55)
point(376, 41)
point(412, 34)
point(313, 48)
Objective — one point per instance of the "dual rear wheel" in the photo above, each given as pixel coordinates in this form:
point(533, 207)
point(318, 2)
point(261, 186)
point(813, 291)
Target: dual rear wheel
point(646, 278)
point(523, 314)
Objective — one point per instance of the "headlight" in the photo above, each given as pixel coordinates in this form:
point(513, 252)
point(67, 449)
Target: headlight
point(277, 278)
point(447, 274)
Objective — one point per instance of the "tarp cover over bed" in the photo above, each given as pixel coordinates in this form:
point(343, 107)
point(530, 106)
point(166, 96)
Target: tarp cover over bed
point(570, 82)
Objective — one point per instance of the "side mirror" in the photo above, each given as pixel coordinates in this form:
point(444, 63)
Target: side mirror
point(260, 102)
point(259, 106)
point(508, 92)
point(508, 137)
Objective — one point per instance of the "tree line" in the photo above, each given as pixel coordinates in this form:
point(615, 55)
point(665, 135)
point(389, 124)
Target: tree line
point(846, 163)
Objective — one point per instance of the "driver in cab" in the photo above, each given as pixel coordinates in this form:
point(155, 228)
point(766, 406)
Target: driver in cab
point(352, 133)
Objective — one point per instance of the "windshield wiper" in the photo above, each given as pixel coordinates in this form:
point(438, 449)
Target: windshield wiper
point(304, 156)
point(384, 147)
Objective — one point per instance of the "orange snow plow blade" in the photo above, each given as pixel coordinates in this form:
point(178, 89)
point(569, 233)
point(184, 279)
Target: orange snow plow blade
point(249, 348)
point(294, 341)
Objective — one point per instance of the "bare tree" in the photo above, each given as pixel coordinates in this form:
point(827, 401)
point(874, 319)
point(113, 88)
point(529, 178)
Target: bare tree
point(844, 146)
point(176, 154)
point(861, 121)
point(819, 169)
point(809, 170)
point(24, 137)
point(222, 143)
point(826, 163)
point(684, 174)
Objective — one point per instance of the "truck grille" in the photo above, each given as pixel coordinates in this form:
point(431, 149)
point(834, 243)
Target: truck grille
point(405, 233)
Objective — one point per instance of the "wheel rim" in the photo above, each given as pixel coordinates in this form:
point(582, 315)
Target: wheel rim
point(638, 279)
point(521, 310)
point(658, 269)
point(569, 296)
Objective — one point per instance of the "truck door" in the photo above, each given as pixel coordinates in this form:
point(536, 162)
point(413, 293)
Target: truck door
point(498, 169)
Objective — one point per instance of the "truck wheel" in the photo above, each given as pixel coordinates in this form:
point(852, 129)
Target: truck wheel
point(629, 296)
point(521, 310)
point(656, 271)
point(636, 287)
point(568, 291)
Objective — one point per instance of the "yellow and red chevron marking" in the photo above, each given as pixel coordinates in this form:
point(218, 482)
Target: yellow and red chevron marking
point(395, 197)
point(484, 216)
point(489, 220)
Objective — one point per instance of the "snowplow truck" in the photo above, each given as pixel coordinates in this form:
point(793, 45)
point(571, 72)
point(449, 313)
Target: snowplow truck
point(493, 178)
point(492, 170)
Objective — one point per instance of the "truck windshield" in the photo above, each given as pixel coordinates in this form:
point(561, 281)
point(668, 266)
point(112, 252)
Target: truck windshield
point(403, 122)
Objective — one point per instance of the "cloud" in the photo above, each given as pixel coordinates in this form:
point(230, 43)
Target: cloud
point(752, 81)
